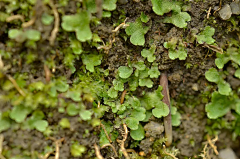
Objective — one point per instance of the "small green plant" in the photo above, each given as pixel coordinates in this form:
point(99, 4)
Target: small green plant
point(149, 54)
point(176, 117)
point(125, 72)
point(144, 17)
point(77, 150)
point(64, 123)
point(221, 104)
point(178, 18)
point(137, 31)
point(212, 75)
point(21, 36)
point(232, 54)
point(80, 24)
point(91, 60)
point(176, 51)
point(206, 36)
point(237, 73)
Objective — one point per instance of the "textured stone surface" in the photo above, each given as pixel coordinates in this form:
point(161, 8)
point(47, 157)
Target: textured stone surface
point(235, 7)
point(227, 154)
point(226, 12)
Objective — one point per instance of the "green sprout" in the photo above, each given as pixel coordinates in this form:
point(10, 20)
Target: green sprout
point(138, 134)
point(80, 23)
point(180, 52)
point(21, 36)
point(125, 71)
point(137, 31)
point(212, 75)
point(149, 54)
point(91, 60)
point(77, 150)
point(206, 36)
point(178, 18)
point(232, 54)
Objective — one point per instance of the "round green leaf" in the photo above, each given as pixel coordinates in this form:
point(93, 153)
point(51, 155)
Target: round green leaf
point(138, 134)
point(19, 113)
point(176, 119)
point(64, 123)
point(161, 110)
point(85, 114)
point(212, 75)
point(132, 123)
point(41, 125)
point(125, 72)
point(33, 35)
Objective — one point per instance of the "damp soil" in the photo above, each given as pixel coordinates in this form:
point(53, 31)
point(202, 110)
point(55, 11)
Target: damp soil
point(185, 84)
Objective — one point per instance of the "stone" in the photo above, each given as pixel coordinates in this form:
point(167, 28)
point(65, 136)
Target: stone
point(235, 7)
point(227, 153)
point(226, 12)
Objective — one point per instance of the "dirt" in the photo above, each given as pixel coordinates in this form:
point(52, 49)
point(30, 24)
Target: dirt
point(185, 84)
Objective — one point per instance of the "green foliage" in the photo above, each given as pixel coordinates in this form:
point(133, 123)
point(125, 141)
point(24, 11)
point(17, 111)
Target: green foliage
point(21, 36)
point(64, 123)
point(138, 134)
point(174, 53)
point(160, 110)
point(85, 114)
point(146, 82)
point(137, 32)
point(237, 73)
point(91, 60)
point(112, 93)
point(144, 17)
point(149, 54)
point(19, 113)
point(232, 54)
point(109, 128)
point(76, 47)
point(178, 19)
point(212, 75)
point(154, 72)
point(118, 84)
point(109, 5)
point(47, 19)
point(125, 72)
point(176, 117)
point(77, 150)
point(218, 106)
point(161, 7)
point(41, 125)
point(79, 23)
point(132, 123)
point(206, 35)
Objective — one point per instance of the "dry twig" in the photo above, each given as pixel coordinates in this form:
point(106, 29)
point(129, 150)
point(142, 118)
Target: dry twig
point(209, 12)
point(123, 96)
point(1, 146)
point(29, 23)
point(220, 6)
point(97, 151)
point(114, 150)
point(15, 17)
point(212, 145)
point(47, 73)
point(165, 152)
point(105, 131)
point(123, 140)
point(16, 85)
point(56, 23)
point(57, 142)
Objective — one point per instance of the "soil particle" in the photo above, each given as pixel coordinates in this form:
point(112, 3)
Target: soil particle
point(227, 154)
point(235, 6)
point(146, 144)
point(153, 129)
point(225, 13)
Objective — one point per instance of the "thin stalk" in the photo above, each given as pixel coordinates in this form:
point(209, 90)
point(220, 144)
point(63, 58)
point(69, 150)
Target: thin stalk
point(166, 100)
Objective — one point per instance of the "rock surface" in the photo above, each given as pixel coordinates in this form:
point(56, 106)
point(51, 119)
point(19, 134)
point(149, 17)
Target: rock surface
point(227, 154)
point(235, 7)
point(226, 12)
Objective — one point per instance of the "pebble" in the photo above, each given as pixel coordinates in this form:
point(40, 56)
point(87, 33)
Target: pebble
point(226, 12)
point(227, 153)
point(235, 6)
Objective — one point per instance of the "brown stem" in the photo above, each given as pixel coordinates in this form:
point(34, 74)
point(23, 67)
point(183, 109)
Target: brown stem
point(166, 100)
